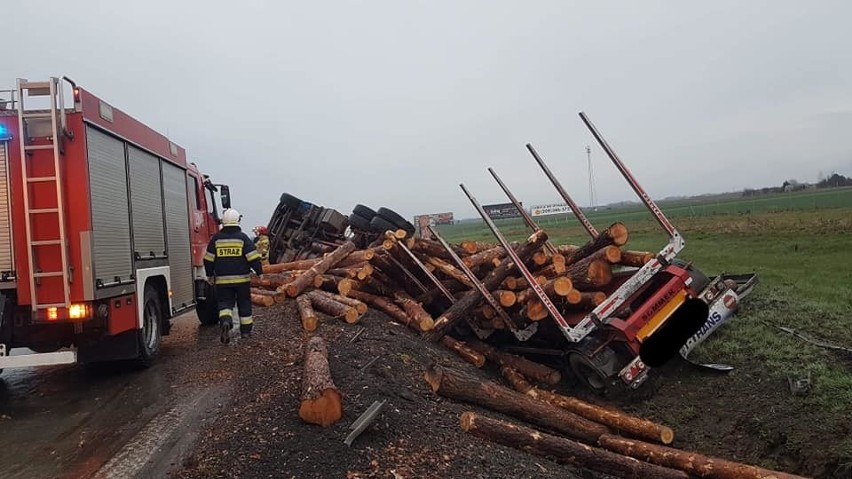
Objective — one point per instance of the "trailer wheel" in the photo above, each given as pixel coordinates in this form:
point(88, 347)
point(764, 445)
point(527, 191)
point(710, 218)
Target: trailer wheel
point(397, 220)
point(589, 373)
point(364, 212)
point(358, 222)
point(379, 225)
point(149, 337)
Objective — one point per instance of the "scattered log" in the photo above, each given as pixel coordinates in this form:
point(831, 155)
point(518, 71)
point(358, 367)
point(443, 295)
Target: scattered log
point(321, 402)
point(277, 297)
point(464, 351)
point(536, 310)
point(617, 420)
point(614, 235)
point(359, 306)
point(434, 249)
point(484, 257)
point(450, 271)
point(385, 305)
point(535, 371)
point(414, 310)
point(563, 450)
point(470, 299)
point(329, 261)
point(336, 284)
point(307, 313)
point(510, 283)
point(291, 266)
point(567, 250)
point(610, 254)
point(350, 273)
point(539, 258)
point(558, 262)
point(333, 308)
point(689, 462)
point(589, 300)
point(272, 281)
point(460, 386)
point(262, 300)
point(573, 298)
point(637, 259)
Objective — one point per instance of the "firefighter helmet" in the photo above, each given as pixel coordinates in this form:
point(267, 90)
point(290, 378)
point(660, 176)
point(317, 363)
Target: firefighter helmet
point(231, 217)
point(261, 230)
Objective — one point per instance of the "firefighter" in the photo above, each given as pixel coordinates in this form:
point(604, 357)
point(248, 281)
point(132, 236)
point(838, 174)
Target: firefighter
point(261, 241)
point(230, 258)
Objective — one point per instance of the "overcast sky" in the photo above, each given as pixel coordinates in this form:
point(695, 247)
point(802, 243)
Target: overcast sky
point(394, 103)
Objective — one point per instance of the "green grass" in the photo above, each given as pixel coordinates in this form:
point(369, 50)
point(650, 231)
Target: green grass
point(803, 258)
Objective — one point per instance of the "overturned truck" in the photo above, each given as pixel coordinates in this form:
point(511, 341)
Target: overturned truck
point(598, 310)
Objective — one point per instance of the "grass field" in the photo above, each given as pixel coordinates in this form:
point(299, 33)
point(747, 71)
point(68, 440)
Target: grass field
point(800, 246)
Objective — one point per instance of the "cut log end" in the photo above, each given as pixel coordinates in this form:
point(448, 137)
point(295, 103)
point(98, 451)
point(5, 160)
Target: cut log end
point(619, 234)
point(666, 435)
point(468, 421)
point(562, 286)
point(324, 410)
point(433, 376)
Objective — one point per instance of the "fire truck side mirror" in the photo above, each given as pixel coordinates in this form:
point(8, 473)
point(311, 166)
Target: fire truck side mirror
point(225, 196)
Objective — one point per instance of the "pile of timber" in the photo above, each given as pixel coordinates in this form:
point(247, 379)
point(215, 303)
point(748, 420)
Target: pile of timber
point(400, 275)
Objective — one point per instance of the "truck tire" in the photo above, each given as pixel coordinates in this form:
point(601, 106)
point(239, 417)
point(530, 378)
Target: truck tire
point(290, 201)
point(149, 336)
point(207, 310)
point(358, 222)
point(397, 220)
point(379, 225)
point(364, 212)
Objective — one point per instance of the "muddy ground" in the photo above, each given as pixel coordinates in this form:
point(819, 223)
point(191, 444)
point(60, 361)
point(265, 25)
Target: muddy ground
point(260, 435)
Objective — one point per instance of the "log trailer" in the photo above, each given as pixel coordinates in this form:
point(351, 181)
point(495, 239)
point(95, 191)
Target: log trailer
point(650, 315)
point(103, 227)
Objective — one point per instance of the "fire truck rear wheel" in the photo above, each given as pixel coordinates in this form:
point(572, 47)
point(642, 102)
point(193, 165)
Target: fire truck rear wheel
point(150, 335)
point(291, 201)
point(364, 212)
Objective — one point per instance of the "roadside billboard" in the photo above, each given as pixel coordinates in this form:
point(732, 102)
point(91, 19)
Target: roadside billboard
point(422, 221)
point(502, 210)
point(551, 209)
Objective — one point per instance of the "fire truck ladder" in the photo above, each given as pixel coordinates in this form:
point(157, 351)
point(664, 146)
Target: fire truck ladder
point(56, 116)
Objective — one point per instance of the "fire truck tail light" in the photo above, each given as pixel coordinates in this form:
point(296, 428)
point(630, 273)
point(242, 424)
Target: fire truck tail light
point(78, 311)
point(52, 314)
point(171, 293)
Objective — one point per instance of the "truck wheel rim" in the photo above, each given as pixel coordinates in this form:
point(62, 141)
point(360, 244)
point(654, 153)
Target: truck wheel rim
point(150, 325)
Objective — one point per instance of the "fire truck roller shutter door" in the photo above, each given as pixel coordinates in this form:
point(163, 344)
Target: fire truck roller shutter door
point(147, 204)
point(177, 231)
point(6, 259)
point(111, 249)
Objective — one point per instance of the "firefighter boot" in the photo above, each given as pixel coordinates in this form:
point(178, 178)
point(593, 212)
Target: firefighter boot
point(246, 324)
point(226, 324)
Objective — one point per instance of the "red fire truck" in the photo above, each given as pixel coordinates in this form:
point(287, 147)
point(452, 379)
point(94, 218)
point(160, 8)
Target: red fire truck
point(103, 226)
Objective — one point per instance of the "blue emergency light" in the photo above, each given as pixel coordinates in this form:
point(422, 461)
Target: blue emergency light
point(4, 133)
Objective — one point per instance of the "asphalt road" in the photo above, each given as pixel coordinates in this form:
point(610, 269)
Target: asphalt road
point(74, 421)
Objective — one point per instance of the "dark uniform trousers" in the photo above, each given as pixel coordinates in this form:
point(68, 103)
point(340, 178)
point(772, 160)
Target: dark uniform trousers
point(230, 258)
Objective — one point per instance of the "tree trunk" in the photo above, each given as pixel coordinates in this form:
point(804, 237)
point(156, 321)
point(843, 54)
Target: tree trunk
point(464, 351)
point(506, 298)
point(333, 308)
point(262, 300)
point(537, 372)
point(350, 273)
point(614, 235)
point(272, 281)
point(386, 306)
point(415, 311)
point(590, 274)
point(359, 306)
point(293, 265)
point(460, 386)
point(277, 297)
point(689, 462)
point(637, 259)
point(307, 313)
point(434, 249)
point(565, 451)
point(329, 261)
point(357, 257)
point(472, 247)
point(450, 271)
point(321, 402)
point(484, 257)
point(589, 301)
point(470, 299)
point(617, 420)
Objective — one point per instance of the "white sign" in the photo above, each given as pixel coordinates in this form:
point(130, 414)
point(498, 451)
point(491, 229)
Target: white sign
point(552, 209)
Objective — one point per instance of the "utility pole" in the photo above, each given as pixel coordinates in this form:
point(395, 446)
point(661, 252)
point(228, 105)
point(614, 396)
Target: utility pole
point(592, 199)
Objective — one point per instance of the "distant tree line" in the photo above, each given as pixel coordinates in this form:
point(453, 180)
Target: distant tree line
point(833, 181)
